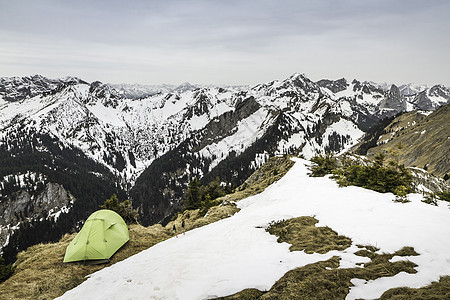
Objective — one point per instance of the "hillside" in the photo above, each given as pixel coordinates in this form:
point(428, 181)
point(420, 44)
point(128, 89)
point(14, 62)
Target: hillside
point(238, 253)
point(419, 139)
point(366, 236)
point(40, 273)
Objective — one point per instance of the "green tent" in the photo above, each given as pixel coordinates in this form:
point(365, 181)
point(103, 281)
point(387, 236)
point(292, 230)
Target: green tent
point(103, 233)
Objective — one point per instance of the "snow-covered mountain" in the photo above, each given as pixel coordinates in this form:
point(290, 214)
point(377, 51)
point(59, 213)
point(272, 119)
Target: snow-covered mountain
point(237, 253)
point(139, 91)
point(148, 143)
point(412, 89)
point(123, 134)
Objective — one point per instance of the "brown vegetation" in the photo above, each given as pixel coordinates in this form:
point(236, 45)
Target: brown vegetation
point(40, 273)
point(324, 279)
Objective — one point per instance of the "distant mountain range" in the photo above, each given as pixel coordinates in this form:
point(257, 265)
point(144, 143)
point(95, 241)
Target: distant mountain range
point(66, 145)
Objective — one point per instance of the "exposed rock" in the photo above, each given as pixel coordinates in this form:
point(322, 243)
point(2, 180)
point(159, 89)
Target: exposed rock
point(393, 103)
point(334, 85)
point(23, 207)
point(423, 102)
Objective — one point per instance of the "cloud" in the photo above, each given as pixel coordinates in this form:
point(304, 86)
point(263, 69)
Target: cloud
point(246, 41)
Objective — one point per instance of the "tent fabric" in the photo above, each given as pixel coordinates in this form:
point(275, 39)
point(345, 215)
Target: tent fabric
point(103, 233)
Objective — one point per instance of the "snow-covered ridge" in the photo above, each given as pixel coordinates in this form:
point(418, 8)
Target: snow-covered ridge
point(127, 126)
point(96, 119)
point(238, 253)
point(226, 130)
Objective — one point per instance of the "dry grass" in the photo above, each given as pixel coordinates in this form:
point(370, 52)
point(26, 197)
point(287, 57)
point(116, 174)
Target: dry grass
point(193, 218)
point(247, 294)
point(419, 150)
point(434, 291)
point(324, 279)
point(40, 273)
point(302, 234)
point(271, 171)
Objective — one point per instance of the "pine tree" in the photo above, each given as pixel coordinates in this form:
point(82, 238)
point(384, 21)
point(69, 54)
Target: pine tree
point(193, 193)
point(124, 209)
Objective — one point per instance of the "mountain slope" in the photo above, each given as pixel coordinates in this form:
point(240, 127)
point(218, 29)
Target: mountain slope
point(28, 281)
point(70, 134)
point(420, 140)
point(41, 181)
point(148, 145)
point(238, 253)
point(289, 117)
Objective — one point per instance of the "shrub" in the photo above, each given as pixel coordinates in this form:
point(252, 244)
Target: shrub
point(393, 178)
point(6, 270)
point(124, 209)
point(203, 196)
point(380, 176)
point(323, 165)
point(401, 193)
point(430, 198)
point(445, 196)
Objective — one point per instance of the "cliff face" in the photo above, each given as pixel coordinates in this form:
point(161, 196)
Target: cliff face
point(393, 102)
point(52, 201)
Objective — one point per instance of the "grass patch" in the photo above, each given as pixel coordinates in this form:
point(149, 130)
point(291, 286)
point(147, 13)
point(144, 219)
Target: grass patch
point(434, 291)
point(302, 234)
point(247, 294)
point(40, 273)
point(324, 279)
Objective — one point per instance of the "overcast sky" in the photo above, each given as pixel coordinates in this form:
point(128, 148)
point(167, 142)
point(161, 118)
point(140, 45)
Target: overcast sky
point(226, 41)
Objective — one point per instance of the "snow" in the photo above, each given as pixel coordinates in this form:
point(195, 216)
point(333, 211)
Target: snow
point(346, 108)
point(248, 131)
point(296, 140)
point(425, 113)
point(344, 127)
point(198, 122)
point(236, 253)
point(108, 115)
point(348, 92)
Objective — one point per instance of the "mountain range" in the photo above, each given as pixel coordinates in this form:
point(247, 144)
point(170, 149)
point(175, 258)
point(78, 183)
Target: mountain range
point(66, 145)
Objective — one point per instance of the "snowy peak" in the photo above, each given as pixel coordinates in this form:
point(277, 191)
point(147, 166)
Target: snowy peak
point(185, 87)
point(335, 86)
point(141, 91)
point(412, 89)
point(431, 99)
point(301, 84)
point(440, 91)
point(365, 87)
point(393, 101)
point(202, 104)
point(107, 95)
point(20, 88)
